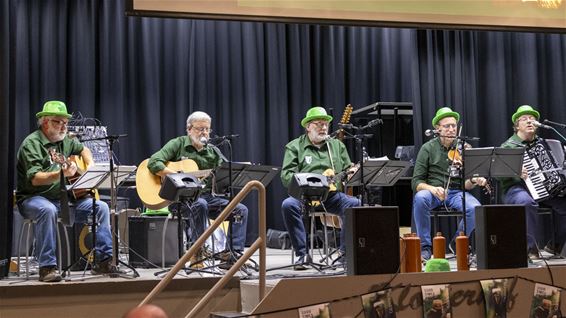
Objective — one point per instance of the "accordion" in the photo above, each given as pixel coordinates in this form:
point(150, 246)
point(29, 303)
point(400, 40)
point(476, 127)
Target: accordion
point(544, 161)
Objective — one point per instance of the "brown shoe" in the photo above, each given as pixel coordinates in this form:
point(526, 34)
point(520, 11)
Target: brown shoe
point(197, 260)
point(106, 267)
point(49, 275)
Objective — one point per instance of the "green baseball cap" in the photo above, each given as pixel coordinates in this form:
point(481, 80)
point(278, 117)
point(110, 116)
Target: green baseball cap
point(316, 112)
point(524, 110)
point(443, 113)
point(54, 108)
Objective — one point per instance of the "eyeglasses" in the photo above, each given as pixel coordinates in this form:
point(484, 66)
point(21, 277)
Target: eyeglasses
point(320, 124)
point(527, 119)
point(202, 129)
point(59, 122)
point(449, 126)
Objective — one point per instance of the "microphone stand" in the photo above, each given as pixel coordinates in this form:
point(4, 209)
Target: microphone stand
point(232, 218)
point(359, 137)
point(113, 199)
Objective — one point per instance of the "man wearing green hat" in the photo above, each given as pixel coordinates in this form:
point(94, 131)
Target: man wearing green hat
point(313, 152)
point(38, 188)
point(515, 190)
point(432, 183)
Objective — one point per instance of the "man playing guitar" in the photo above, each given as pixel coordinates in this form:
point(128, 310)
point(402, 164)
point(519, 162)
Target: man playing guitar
point(38, 189)
point(194, 146)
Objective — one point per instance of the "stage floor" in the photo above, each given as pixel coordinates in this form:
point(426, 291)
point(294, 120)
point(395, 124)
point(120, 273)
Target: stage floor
point(278, 267)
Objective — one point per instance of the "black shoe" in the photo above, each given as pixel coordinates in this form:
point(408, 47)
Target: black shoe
point(533, 253)
point(49, 274)
point(300, 263)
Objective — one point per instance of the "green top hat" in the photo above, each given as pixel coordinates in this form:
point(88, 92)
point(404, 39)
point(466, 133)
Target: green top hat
point(316, 112)
point(524, 110)
point(443, 113)
point(53, 108)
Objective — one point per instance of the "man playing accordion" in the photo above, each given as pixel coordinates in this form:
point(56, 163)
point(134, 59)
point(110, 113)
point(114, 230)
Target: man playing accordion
point(534, 186)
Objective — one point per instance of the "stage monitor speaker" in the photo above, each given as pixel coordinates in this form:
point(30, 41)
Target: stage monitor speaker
point(501, 236)
point(372, 240)
point(146, 241)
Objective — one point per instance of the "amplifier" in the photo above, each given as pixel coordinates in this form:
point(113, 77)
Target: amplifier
point(153, 241)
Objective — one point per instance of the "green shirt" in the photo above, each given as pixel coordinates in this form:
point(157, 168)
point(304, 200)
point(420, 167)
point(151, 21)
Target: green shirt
point(33, 157)
point(431, 166)
point(302, 156)
point(513, 142)
point(182, 148)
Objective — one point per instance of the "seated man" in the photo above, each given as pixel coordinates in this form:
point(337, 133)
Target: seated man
point(38, 189)
point(195, 146)
point(515, 190)
point(432, 183)
point(313, 152)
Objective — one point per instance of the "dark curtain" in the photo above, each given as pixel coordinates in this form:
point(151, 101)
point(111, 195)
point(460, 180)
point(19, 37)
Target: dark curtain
point(7, 135)
point(143, 76)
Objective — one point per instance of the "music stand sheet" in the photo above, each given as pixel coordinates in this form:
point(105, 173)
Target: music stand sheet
point(493, 162)
point(121, 173)
point(91, 179)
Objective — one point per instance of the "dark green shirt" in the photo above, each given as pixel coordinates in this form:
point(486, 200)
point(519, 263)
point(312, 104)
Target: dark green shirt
point(33, 157)
point(181, 148)
point(431, 166)
point(302, 156)
point(513, 142)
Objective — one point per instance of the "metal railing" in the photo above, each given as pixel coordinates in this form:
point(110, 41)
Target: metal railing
point(259, 243)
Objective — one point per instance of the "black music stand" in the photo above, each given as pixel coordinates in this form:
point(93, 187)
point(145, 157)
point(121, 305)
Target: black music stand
point(241, 174)
point(90, 180)
point(379, 173)
point(493, 162)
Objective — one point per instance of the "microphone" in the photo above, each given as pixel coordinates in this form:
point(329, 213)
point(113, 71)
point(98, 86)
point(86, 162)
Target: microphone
point(373, 123)
point(431, 132)
point(203, 140)
point(345, 126)
point(537, 124)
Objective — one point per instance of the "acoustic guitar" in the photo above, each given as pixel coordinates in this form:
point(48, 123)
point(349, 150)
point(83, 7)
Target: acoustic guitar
point(148, 184)
point(81, 167)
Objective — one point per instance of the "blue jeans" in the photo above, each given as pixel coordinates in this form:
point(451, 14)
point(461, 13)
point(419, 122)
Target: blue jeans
point(45, 212)
point(292, 210)
point(424, 201)
point(199, 210)
point(518, 194)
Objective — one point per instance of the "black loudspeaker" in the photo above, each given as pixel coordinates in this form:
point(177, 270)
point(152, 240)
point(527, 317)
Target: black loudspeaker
point(79, 239)
point(147, 242)
point(501, 236)
point(372, 240)
point(311, 186)
point(180, 186)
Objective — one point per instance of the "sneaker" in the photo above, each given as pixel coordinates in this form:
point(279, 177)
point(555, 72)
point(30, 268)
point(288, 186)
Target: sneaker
point(300, 263)
point(49, 275)
point(106, 267)
point(426, 253)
